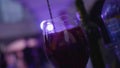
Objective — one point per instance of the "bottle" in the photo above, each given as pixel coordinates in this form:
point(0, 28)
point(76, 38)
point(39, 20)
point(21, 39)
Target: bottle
point(95, 29)
point(111, 17)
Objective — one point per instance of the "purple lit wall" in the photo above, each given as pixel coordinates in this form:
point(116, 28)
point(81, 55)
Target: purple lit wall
point(39, 9)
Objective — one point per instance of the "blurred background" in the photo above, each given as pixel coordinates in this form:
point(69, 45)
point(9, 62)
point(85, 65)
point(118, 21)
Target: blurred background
point(21, 36)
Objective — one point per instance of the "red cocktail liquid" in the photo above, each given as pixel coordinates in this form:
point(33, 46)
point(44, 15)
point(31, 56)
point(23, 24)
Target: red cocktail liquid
point(68, 54)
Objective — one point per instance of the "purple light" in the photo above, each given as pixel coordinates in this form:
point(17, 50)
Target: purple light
point(47, 24)
point(78, 16)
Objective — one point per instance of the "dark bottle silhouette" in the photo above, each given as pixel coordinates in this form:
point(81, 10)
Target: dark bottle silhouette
point(95, 29)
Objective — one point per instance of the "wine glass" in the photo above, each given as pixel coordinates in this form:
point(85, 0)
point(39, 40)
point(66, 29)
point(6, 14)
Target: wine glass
point(66, 45)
